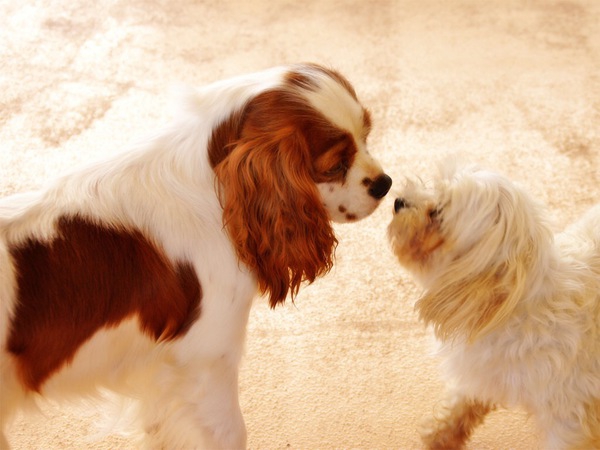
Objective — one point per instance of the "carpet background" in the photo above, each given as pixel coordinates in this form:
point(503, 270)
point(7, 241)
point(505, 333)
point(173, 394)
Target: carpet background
point(511, 84)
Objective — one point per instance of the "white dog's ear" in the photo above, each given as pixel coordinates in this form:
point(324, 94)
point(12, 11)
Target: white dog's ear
point(482, 285)
point(474, 305)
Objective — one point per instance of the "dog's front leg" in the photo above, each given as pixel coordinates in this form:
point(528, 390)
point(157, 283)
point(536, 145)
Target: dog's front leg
point(194, 407)
point(454, 422)
point(220, 411)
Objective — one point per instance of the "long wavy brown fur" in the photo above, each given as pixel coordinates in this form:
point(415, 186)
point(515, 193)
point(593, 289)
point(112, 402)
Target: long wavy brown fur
point(272, 208)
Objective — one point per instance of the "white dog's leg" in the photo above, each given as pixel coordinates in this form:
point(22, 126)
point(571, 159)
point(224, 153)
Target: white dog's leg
point(453, 424)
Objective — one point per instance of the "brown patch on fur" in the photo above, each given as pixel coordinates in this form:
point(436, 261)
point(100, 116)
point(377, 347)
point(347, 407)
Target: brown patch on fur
point(332, 165)
point(415, 237)
point(300, 80)
point(87, 278)
point(367, 123)
point(332, 151)
point(453, 426)
point(268, 158)
point(267, 162)
point(427, 240)
point(224, 136)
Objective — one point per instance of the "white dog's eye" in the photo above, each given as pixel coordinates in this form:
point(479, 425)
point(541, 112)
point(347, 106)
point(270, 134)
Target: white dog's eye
point(434, 213)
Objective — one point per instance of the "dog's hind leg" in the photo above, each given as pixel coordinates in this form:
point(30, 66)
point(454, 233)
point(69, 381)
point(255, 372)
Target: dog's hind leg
point(452, 425)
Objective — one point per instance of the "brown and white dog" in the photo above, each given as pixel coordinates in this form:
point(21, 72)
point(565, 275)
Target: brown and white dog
point(137, 274)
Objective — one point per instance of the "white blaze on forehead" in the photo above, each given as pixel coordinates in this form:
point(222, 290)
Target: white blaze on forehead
point(335, 102)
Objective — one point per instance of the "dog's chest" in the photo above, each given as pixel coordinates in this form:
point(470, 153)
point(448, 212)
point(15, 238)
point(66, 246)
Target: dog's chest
point(486, 372)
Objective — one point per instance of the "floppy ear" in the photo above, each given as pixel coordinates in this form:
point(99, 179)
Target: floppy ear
point(462, 303)
point(482, 286)
point(273, 212)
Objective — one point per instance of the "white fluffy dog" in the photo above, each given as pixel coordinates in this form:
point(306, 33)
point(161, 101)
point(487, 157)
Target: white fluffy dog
point(516, 310)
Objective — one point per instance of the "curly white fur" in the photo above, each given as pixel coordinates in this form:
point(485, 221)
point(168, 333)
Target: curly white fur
point(515, 309)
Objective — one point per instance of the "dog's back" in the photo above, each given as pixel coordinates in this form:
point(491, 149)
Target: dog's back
point(581, 243)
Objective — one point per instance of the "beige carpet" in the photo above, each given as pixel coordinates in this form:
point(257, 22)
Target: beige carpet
point(512, 84)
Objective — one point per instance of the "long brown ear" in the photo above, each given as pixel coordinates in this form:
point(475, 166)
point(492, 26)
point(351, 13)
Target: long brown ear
point(273, 212)
point(474, 305)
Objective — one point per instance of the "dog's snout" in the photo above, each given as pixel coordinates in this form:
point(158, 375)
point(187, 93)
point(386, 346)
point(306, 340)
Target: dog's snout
point(399, 204)
point(380, 186)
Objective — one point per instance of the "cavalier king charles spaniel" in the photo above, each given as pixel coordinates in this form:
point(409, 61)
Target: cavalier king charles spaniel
point(137, 274)
point(516, 310)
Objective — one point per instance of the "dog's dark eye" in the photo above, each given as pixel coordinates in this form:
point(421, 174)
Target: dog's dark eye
point(338, 169)
point(434, 213)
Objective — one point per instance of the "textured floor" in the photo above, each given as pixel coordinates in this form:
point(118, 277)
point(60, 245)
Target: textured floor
point(512, 85)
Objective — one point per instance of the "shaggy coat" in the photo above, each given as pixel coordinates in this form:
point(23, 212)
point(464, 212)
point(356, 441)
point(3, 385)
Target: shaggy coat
point(516, 310)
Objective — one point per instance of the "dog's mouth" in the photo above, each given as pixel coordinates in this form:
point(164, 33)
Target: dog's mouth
point(415, 231)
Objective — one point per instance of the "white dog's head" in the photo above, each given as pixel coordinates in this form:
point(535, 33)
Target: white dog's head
point(472, 240)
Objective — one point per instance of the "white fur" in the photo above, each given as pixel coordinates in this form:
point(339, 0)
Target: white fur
point(541, 348)
point(187, 388)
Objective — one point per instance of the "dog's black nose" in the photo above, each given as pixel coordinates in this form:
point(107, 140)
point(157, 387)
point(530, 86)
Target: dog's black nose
point(380, 186)
point(399, 204)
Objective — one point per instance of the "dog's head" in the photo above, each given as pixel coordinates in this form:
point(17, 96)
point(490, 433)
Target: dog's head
point(473, 240)
point(291, 158)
